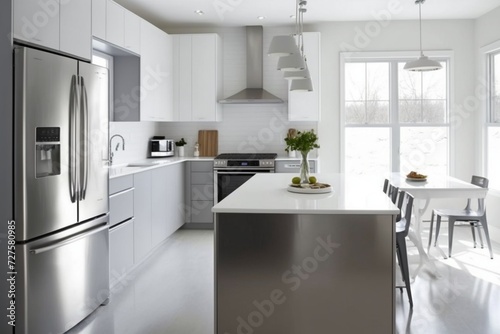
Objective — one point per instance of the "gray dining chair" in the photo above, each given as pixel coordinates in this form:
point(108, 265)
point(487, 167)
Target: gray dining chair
point(405, 204)
point(476, 219)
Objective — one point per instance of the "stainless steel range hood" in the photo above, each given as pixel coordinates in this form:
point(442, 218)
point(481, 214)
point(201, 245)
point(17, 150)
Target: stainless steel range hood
point(254, 93)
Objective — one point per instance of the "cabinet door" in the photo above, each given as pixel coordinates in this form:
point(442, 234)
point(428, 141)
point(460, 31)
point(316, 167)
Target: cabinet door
point(142, 215)
point(99, 19)
point(132, 32)
point(37, 22)
point(76, 28)
point(182, 77)
point(175, 203)
point(204, 77)
point(121, 250)
point(160, 202)
point(156, 74)
point(115, 23)
point(306, 106)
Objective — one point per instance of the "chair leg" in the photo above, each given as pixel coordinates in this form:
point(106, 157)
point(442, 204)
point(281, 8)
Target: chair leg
point(472, 225)
point(401, 244)
point(478, 225)
point(430, 231)
point(451, 226)
point(398, 254)
point(438, 227)
point(484, 224)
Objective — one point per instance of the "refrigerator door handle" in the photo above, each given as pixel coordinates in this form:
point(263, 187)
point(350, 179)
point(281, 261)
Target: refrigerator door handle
point(69, 240)
point(72, 139)
point(86, 158)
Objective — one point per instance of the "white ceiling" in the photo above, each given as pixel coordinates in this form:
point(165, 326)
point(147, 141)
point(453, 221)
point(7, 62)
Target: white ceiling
point(165, 13)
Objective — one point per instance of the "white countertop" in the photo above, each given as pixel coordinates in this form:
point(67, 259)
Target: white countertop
point(267, 193)
point(147, 164)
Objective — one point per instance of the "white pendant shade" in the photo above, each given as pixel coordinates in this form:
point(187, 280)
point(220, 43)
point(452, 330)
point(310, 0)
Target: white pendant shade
point(293, 62)
point(304, 85)
point(422, 64)
point(283, 46)
point(302, 74)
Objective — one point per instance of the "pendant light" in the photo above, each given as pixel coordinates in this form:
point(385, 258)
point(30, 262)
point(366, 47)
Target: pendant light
point(283, 46)
point(423, 63)
point(304, 85)
point(301, 84)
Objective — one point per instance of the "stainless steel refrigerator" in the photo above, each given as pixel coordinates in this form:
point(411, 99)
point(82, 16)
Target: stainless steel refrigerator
point(61, 190)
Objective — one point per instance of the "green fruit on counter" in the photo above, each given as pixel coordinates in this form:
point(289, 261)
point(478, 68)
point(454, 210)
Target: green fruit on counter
point(312, 179)
point(296, 180)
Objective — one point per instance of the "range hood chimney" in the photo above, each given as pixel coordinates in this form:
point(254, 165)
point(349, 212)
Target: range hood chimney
point(254, 93)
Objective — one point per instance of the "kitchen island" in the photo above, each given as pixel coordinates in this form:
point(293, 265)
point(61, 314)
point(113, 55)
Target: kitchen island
point(305, 263)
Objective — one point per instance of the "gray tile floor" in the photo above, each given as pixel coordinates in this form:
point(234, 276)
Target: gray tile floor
point(172, 291)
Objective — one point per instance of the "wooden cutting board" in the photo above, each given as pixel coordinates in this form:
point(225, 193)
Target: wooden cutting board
point(209, 142)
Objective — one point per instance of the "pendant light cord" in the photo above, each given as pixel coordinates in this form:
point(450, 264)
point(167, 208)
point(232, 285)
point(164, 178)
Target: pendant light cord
point(420, 20)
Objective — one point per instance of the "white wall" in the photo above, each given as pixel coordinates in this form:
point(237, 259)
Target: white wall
point(136, 135)
point(487, 31)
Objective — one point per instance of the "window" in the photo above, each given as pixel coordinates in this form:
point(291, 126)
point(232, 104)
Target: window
point(394, 120)
point(493, 119)
point(106, 60)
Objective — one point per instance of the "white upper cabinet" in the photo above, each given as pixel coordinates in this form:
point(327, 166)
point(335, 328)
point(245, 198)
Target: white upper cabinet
point(132, 32)
point(75, 28)
point(99, 19)
point(197, 77)
point(59, 25)
point(115, 23)
point(36, 24)
point(156, 74)
point(306, 106)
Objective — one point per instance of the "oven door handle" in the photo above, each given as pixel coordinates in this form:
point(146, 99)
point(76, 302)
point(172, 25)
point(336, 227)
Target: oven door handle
point(244, 173)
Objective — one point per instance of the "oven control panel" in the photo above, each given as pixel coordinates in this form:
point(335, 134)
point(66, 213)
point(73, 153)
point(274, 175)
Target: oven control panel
point(263, 163)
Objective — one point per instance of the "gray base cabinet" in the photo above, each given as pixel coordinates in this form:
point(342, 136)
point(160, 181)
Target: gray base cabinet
point(200, 192)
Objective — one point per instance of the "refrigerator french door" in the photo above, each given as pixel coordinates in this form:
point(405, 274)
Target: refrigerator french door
point(61, 190)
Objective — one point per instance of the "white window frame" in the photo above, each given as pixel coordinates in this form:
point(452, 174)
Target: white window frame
point(445, 55)
point(110, 60)
point(486, 52)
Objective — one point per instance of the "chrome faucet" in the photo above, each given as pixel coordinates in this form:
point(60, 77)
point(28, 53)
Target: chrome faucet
point(116, 148)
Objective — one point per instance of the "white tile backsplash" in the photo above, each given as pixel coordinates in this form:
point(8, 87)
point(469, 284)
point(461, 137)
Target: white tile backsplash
point(136, 135)
point(245, 128)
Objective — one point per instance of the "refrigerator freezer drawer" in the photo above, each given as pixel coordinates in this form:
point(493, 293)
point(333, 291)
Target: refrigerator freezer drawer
point(64, 280)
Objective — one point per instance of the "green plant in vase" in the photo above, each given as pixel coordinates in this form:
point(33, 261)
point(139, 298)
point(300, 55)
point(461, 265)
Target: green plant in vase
point(304, 142)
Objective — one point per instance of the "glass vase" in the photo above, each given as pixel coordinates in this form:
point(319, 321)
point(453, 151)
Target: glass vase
point(304, 167)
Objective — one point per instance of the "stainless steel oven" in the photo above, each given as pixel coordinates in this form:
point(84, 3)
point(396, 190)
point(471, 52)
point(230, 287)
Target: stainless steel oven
point(232, 170)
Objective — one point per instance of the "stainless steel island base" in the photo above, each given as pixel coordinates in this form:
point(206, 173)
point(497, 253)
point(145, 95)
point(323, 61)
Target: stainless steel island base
point(304, 273)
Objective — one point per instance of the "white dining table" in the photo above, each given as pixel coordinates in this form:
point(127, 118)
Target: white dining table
point(435, 186)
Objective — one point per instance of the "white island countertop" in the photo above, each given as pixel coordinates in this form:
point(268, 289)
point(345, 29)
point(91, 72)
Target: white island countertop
point(267, 193)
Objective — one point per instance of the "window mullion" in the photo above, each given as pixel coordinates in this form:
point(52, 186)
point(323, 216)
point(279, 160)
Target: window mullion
point(394, 110)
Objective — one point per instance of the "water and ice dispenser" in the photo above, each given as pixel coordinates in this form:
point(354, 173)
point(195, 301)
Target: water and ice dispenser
point(48, 152)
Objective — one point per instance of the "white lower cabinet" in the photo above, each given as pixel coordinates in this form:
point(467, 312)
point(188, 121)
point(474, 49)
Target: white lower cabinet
point(142, 212)
point(145, 209)
point(121, 250)
point(293, 166)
